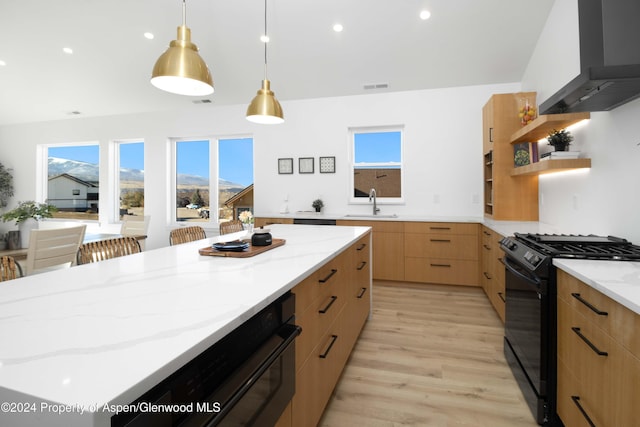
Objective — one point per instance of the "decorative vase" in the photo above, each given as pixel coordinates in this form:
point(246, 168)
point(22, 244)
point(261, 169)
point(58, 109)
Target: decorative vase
point(559, 147)
point(25, 228)
point(318, 209)
point(248, 227)
point(13, 240)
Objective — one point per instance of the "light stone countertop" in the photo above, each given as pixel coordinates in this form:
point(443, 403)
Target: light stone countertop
point(107, 332)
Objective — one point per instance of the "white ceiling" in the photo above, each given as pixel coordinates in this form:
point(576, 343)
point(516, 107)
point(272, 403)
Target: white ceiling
point(465, 42)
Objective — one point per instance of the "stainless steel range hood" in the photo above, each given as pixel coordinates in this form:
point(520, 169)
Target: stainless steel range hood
point(609, 59)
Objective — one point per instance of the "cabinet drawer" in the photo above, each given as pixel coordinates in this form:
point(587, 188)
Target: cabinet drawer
point(452, 246)
point(618, 321)
point(444, 271)
point(570, 395)
point(317, 377)
point(317, 318)
point(441, 228)
point(315, 285)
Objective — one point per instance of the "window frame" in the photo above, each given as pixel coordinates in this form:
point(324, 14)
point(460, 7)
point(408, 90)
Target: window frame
point(352, 155)
point(114, 178)
point(214, 168)
point(42, 173)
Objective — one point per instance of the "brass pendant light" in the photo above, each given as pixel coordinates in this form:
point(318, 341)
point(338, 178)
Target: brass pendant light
point(180, 69)
point(265, 108)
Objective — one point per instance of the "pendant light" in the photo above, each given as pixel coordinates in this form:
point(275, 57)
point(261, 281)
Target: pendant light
point(180, 69)
point(265, 108)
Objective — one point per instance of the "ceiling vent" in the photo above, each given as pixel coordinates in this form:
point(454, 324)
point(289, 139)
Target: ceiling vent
point(202, 101)
point(374, 86)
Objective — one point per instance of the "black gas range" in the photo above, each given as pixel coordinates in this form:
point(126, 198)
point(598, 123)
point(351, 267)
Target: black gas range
point(530, 307)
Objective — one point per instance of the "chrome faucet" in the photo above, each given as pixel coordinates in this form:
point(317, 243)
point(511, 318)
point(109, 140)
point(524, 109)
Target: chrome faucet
point(372, 195)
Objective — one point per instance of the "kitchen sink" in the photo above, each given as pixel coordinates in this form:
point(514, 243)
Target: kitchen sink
point(371, 216)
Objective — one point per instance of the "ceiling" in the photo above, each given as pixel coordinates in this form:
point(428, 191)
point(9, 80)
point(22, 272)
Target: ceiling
point(465, 42)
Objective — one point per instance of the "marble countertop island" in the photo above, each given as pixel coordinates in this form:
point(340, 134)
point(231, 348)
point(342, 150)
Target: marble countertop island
point(74, 340)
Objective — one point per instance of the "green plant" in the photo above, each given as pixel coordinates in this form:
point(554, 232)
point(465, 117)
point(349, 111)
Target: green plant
point(317, 204)
point(6, 185)
point(29, 209)
point(560, 138)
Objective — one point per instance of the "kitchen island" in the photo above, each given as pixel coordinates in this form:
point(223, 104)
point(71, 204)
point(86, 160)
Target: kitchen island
point(101, 334)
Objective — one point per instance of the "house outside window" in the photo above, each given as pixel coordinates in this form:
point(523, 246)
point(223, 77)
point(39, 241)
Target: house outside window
point(377, 163)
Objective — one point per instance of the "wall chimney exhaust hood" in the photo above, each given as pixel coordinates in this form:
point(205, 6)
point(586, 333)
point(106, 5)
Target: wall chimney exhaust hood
point(609, 33)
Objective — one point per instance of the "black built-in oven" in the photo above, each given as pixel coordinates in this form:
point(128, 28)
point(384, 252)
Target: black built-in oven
point(245, 379)
point(530, 338)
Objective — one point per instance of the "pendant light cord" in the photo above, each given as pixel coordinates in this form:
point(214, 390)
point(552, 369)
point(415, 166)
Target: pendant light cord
point(184, 13)
point(266, 39)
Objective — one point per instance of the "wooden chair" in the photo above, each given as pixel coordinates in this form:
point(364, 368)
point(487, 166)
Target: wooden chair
point(232, 226)
point(107, 249)
point(54, 248)
point(133, 225)
point(9, 268)
point(186, 234)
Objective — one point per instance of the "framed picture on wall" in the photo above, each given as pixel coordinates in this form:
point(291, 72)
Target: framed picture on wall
point(305, 165)
point(285, 166)
point(327, 164)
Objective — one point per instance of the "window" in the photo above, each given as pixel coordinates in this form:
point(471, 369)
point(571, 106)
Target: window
point(377, 163)
point(72, 172)
point(213, 178)
point(130, 178)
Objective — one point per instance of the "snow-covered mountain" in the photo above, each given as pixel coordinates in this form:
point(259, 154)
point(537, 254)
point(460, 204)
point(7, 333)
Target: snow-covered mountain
point(89, 172)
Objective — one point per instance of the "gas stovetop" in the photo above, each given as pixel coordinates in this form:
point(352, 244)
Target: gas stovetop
point(581, 246)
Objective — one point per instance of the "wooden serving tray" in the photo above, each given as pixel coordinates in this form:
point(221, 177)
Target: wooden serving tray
point(249, 252)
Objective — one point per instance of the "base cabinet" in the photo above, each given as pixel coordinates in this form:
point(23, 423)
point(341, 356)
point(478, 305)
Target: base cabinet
point(332, 306)
point(492, 276)
point(598, 367)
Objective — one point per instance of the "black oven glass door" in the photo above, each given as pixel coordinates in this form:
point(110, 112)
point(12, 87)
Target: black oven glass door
point(526, 322)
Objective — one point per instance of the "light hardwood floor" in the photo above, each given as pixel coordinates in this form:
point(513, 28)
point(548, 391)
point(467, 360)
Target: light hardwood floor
point(430, 356)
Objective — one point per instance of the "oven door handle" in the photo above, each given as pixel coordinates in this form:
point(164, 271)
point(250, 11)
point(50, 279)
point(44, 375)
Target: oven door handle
point(274, 347)
point(533, 280)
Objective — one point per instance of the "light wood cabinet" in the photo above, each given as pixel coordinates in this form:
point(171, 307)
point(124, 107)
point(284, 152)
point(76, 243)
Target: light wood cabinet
point(261, 222)
point(598, 364)
point(388, 247)
point(445, 253)
point(332, 306)
point(506, 197)
point(492, 275)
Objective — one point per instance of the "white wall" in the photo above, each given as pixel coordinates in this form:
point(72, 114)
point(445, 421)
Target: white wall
point(443, 135)
point(605, 199)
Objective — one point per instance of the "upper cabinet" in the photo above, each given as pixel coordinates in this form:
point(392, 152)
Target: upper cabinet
point(506, 197)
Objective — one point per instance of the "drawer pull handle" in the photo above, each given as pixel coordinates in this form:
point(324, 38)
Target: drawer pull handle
point(440, 265)
point(361, 247)
point(486, 275)
point(362, 292)
point(576, 400)
point(486, 233)
point(589, 343)
point(440, 228)
point(362, 264)
point(333, 271)
point(441, 240)
point(326, 352)
point(588, 304)
point(486, 247)
point(324, 310)
point(501, 296)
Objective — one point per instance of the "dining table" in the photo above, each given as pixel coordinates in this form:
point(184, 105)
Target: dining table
point(21, 254)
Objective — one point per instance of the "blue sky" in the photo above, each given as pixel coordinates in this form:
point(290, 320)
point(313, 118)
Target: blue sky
point(235, 157)
point(377, 147)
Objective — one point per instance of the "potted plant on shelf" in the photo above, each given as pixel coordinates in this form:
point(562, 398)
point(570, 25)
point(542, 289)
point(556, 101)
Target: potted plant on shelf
point(317, 204)
point(26, 215)
point(560, 139)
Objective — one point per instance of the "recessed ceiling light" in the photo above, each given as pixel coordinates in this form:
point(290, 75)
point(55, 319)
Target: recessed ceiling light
point(425, 14)
point(264, 38)
point(149, 36)
point(338, 28)
point(2, 63)
point(67, 50)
